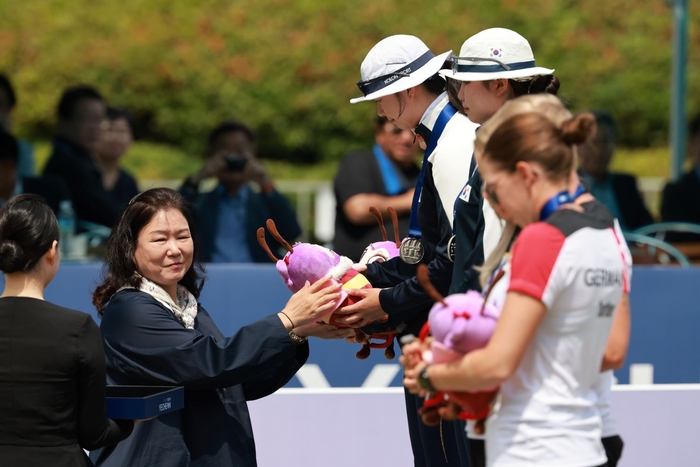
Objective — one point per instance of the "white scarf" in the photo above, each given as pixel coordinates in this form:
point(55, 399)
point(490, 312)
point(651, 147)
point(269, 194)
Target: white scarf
point(185, 310)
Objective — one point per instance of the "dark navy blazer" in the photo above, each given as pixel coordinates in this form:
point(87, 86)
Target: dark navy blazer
point(146, 345)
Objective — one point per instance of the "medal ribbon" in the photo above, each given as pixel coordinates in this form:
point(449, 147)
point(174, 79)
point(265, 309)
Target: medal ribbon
point(392, 183)
point(445, 115)
point(558, 200)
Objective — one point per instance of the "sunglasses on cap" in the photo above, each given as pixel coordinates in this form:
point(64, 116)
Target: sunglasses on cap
point(376, 84)
point(457, 67)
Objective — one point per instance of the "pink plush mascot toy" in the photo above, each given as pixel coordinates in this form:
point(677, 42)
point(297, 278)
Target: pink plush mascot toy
point(459, 324)
point(308, 262)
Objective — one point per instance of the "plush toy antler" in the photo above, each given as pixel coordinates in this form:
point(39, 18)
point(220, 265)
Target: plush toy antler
point(424, 280)
point(380, 220)
point(459, 324)
point(273, 231)
point(263, 244)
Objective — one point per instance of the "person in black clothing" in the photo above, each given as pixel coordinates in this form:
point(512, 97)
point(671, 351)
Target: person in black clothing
point(114, 143)
point(52, 380)
point(81, 113)
point(617, 191)
point(156, 332)
point(482, 92)
point(8, 103)
point(681, 198)
point(12, 183)
point(400, 75)
point(383, 177)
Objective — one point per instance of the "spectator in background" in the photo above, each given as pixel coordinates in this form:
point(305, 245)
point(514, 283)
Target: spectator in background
point(681, 199)
point(8, 101)
point(617, 191)
point(114, 142)
point(81, 113)
point(230, 215)
point(12, 183)
point(383, 177)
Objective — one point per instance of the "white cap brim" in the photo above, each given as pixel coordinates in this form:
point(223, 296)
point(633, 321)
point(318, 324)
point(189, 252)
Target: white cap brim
point(417, 77)
point(512, 74)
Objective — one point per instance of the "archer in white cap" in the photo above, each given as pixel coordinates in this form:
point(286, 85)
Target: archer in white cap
point(492, 67)
point(400, 74)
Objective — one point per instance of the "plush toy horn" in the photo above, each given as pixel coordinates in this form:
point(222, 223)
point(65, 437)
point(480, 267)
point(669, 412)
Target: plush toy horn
point(273, 230)
point(378, 215)
point(395, 223)
point(498, 277)
point(424, 281)
point(263, 244)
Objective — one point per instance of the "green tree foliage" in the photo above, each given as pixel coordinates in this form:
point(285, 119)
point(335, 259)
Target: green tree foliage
point(289, 67)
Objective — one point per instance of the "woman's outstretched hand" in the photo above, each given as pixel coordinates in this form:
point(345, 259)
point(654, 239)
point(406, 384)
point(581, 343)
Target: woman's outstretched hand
point(310, 302)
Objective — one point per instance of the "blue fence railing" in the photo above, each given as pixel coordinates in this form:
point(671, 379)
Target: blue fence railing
point(665, 321)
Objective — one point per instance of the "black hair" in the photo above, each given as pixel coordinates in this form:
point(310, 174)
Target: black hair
point(539, 84)
point(114, 113)
point(6, 86)
point(28, 228)
point(70, 99)
point(694, 127)
point(231, 126)
point(9, 148)
point(120, 268)
point(434, 85)
point(453, 86)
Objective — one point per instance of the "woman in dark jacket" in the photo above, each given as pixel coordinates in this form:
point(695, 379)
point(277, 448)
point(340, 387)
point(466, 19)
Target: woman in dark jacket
point(52, 378)
point(156, 333)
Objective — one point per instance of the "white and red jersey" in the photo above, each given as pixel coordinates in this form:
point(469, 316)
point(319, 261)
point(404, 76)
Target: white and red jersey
point(606, 379)
point(546, 413)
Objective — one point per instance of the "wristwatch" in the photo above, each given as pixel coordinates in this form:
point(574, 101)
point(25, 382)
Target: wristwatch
point(424, 380)
point(297, 339)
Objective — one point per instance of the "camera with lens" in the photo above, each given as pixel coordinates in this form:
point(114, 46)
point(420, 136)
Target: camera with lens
point(235, 163)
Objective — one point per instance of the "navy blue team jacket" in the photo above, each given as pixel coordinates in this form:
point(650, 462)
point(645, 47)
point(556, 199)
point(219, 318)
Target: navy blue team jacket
point(407, 302)
point(146, 345)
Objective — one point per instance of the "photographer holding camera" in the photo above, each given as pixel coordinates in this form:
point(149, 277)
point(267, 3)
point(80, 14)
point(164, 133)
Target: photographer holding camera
point(228, 216)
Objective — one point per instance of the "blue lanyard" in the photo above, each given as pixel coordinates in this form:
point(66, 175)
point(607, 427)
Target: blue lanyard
point(392, 184)
point(445, 115)
point(558, 200)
